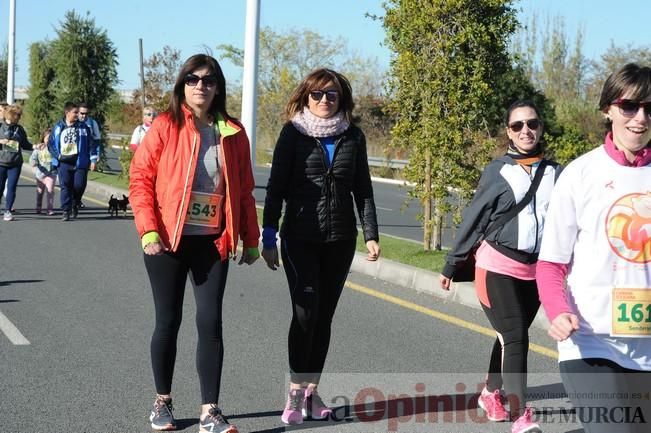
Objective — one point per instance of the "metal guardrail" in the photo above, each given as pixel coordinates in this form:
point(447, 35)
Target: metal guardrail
point(113, 136)
point(378, 161)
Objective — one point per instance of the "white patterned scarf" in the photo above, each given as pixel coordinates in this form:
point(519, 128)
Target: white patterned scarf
point(314, 126)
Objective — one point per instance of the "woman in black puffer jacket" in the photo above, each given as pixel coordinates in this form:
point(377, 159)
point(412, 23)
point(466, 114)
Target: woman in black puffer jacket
point(319, 169)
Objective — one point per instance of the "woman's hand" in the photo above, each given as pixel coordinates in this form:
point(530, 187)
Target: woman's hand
point(563, 326)
point(249, 256)
point(373, 250)
point(270, 256)
point(444, 282)
point(155, 249)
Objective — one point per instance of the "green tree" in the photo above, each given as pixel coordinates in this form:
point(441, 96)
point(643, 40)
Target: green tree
point(40, 108)
point(4, 64)
point(85, 62)
point(449, 56)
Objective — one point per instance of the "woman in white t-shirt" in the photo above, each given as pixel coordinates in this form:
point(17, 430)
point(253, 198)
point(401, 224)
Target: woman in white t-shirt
point(598, 236)
point(148, 114)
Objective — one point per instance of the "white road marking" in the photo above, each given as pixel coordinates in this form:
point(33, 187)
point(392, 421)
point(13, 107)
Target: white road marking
point(384, 208)
point(12, 333)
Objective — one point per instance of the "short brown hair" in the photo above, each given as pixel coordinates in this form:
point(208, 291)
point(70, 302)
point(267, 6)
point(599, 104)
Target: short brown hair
point(13, 112)
point(316, 80)
point(632, 78)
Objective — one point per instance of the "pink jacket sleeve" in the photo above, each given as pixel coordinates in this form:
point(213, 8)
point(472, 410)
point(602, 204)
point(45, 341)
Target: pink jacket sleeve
point(550, 278)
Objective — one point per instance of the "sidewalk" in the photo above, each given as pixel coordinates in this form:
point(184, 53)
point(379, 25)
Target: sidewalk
point(384, 269)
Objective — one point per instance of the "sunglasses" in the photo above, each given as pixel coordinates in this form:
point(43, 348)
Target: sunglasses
point(208, 80)
point(83, 113)
point(628, 108)
point(331, 95)
point(531, 124)
point(149, 114)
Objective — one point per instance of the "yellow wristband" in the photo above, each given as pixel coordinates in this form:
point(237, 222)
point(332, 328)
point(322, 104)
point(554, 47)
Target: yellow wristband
point(149, 238)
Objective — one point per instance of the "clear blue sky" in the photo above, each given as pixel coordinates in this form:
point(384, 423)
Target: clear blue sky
point(190, 26)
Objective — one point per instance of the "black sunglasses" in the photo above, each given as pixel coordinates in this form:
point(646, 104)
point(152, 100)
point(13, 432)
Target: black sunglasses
point(628, 108)
point(531, 124)
point(331, 95)
point(192, 80)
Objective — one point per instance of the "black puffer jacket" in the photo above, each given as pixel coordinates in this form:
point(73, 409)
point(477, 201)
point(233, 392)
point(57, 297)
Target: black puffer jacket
point(319, 199)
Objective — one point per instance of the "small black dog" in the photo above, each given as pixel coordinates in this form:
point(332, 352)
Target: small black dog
point(122, 204)
point(113, 206)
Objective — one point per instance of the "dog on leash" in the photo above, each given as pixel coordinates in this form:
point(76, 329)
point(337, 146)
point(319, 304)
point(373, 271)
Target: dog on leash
point(122, 204)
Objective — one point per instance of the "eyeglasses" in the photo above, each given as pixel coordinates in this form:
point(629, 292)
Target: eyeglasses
point(628, 108)
point(531, 124)
point(331, 95)
point(208, 80)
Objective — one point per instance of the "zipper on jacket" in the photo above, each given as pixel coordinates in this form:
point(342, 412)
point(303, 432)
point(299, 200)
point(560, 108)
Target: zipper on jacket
point(185, 190)
point(328, 175)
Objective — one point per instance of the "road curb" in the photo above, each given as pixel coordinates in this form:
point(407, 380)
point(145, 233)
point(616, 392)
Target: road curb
point(383, 269)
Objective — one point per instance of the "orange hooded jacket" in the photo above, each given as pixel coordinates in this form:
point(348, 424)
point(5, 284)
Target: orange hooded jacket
point(161, 175)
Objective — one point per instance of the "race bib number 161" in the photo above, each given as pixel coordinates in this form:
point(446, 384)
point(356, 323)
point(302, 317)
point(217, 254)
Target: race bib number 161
point(631, 313)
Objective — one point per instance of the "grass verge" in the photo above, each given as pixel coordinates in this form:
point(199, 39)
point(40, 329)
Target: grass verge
point(111, 179)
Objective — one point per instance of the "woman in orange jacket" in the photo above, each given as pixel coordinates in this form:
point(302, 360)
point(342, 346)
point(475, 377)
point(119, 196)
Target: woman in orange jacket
point(191, 191)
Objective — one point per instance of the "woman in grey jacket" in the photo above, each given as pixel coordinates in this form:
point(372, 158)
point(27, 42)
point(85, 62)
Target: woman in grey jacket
point(505, 271)
point(13, 139)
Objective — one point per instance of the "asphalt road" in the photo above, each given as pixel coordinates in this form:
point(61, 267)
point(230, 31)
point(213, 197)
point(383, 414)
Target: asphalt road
point(78, 294)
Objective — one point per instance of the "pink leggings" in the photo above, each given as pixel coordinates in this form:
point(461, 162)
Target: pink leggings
point(45, 185)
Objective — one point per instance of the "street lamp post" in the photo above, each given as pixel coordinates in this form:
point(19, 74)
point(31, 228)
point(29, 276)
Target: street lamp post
point(250, 78)
point(12, 52)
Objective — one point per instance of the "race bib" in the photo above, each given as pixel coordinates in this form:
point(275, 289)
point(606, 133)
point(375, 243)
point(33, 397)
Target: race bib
point(44, 157)
point(631, 312)
point(69, 142)
point(205, 209)
point(11, 146)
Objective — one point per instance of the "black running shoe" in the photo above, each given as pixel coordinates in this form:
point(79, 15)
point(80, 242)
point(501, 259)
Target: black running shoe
point(81, 204)
point(66, 216)
point(75, 212)
point(215, 422)
point(161, 415)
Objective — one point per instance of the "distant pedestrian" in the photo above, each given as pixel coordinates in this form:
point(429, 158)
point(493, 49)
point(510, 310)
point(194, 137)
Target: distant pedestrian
point(73, 152)
point(507, 214)
point(320, 172)
point(148, 115)
point(13, 140)
point(95, 129)
point(594, 273)
point(191, 191)
point(41, 160)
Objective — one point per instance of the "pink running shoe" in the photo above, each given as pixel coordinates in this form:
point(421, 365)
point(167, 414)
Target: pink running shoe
point(525, 423)
point(292, 414)
point(493, 405)
point(314, 407)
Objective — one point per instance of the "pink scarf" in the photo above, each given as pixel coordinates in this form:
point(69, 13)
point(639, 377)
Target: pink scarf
point(315, 126)
point(642, 157)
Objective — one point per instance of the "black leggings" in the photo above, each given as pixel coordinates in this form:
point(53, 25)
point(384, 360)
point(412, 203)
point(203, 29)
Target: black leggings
point(607, 397)
point(513, 307)
point(198, 256)
point(316, 273)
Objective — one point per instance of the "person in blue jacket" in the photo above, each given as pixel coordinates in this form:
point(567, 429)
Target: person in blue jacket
point(74, 151)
